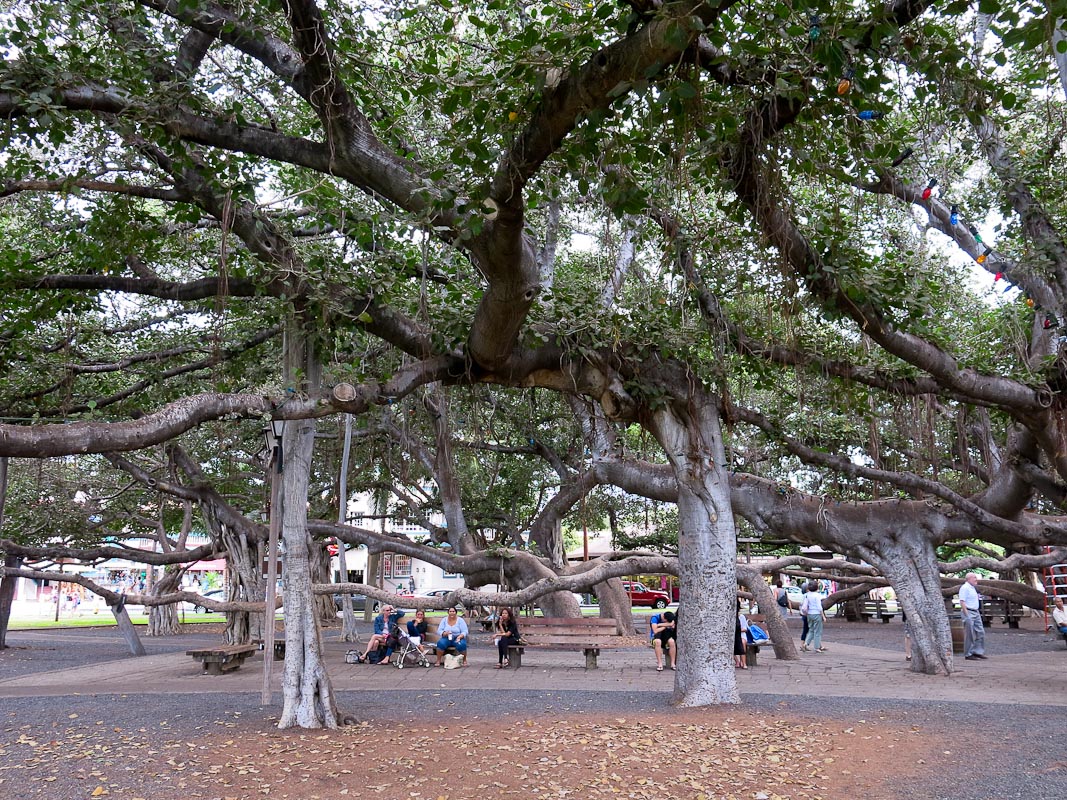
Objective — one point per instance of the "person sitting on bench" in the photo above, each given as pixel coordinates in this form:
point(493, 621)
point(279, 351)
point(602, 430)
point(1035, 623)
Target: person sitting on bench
point(383, 627)
point(664, 637)
point(452, 633)
point(1059, 616)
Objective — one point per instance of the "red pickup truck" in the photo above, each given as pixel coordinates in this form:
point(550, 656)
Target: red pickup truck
point(642, 596)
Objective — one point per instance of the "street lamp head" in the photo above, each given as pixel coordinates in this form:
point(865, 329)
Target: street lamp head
point(272, 433)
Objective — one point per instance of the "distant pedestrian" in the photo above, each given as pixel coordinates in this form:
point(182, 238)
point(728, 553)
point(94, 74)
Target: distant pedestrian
point(781, 597)
point(813, 612)
point(971, 614)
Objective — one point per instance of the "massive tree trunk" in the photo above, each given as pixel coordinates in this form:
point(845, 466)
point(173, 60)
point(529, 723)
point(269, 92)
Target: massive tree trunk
point(308, 698)
point(11, 561)
point(7, 594)
point(246, 582)
point(908, 560)
point(690, 435)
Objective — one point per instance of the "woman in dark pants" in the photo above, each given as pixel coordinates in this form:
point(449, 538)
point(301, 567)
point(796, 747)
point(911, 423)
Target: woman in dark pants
point(507, 634)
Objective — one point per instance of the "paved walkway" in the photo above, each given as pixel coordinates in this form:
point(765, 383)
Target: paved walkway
point(1031, 678)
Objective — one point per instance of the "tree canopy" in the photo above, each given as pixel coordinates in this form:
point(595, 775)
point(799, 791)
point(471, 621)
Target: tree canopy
point(798, 262)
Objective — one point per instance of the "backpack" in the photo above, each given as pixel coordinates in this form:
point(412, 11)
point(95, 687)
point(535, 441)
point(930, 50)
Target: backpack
point(783, 599)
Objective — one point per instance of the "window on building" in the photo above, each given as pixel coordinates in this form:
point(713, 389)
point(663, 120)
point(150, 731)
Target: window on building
point(401, 566)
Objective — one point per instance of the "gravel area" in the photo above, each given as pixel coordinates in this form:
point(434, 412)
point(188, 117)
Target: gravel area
point(990, 751)
point(1009, 753)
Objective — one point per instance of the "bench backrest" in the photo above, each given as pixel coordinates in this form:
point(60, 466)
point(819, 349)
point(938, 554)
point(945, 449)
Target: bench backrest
point(563, 630)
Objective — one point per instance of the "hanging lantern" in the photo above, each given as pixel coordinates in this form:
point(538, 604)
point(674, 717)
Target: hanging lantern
point(974, 233)
point(984, 255)
point(997, 277)
point(929, 190)
point(1030, 302)
point(1050, 322)
point(845, 83)
point(954, 216)
point(869, 115)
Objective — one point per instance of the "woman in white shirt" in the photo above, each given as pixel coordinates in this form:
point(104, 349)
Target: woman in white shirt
point(812, 609)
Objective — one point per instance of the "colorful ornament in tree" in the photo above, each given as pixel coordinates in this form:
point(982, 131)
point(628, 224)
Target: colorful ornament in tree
point(814, 29)
point(974, 233)
point(1030, 302)
point(984, 256)
point(845, 83)
point(929, 190)
point(867, 115)
point(954, 215)
point(997, 277)
point(1050, 322)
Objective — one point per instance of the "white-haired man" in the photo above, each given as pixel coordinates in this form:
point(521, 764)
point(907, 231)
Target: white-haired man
point(971, 612)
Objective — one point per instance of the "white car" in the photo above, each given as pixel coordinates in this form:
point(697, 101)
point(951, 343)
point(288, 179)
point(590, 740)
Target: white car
point(214, 594)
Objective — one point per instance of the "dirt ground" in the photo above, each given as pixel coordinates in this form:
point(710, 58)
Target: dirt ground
point(727, 753)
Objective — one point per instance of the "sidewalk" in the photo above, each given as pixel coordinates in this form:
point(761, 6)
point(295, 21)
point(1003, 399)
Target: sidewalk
point(1031, 678)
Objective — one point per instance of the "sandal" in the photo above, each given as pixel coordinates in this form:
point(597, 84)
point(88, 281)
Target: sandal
point(907, 658)
point(500, 666)
point(659, 669)
point(507, 663)
point(673, 668)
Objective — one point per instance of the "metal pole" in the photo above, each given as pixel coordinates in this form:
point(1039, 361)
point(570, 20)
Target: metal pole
point(272, 574)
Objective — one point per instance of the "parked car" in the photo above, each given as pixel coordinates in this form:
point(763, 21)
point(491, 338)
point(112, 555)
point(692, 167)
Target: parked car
point(214, 594)
point(643, 596)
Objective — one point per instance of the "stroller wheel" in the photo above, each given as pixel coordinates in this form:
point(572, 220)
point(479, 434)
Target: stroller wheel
point(400, 663)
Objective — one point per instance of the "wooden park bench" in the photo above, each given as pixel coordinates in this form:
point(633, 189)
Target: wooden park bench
point(1010, 612)
point(217, 660)
point(588, 634)
point(877, 608)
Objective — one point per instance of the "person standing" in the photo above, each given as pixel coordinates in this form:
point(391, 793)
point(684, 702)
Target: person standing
point(970, 612)
point(813, 612)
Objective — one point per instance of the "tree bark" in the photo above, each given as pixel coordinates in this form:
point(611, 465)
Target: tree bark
point(348, 616)
point(308, 697)
point(7, 594)
point(908, 560)
point(691, 437)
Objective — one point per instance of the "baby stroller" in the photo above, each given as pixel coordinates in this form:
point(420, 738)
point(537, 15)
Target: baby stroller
point(408, 652)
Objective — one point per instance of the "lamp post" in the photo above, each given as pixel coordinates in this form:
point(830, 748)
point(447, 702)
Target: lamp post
point(272, 433)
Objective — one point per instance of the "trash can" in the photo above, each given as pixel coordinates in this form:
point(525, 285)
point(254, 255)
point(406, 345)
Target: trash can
point(955, 624)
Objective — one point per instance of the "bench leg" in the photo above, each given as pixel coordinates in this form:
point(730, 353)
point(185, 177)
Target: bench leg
point(590, 658)
point(752, 656)
point(1013, 623)
point(212, 668)
point(515, 658)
